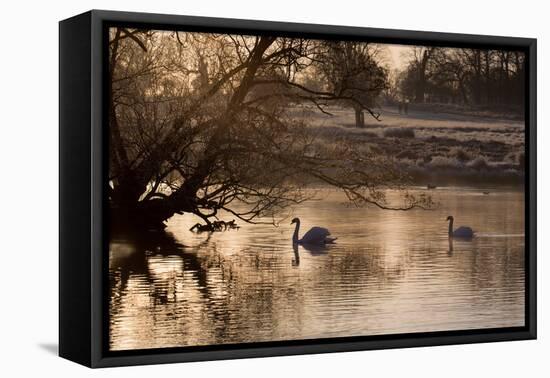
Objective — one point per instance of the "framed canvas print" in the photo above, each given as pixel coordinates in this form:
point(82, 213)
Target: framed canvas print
point(234, 188)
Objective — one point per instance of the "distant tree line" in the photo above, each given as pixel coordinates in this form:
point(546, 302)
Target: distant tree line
point(469, 77)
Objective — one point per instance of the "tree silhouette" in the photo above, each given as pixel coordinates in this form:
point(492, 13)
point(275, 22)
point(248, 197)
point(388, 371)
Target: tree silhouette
point(352, 72)
point(202, 124)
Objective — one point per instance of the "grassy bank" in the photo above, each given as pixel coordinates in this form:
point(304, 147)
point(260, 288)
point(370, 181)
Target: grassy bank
point(435, 148)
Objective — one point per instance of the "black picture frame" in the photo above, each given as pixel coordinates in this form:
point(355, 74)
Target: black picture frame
point(83, 166)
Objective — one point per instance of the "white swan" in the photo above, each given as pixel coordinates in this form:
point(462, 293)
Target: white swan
point(461, 232)
point(316, 235)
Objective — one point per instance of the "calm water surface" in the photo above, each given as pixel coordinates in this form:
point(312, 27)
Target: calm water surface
point(390, 272)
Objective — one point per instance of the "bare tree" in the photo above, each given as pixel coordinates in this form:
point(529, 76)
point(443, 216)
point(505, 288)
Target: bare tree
point(351, 71)
point(421, 59)
point(202, 124)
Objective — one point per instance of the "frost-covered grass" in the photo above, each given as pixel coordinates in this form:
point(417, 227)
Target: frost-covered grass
point(399, 132)
point(433, 146)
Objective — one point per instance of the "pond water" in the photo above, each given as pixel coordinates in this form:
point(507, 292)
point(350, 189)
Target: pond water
point(389, 272)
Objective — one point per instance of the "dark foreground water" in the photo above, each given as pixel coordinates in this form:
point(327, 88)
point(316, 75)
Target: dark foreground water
point(390, 272)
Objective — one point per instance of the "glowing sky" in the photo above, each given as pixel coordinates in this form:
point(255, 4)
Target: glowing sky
point(397, 58)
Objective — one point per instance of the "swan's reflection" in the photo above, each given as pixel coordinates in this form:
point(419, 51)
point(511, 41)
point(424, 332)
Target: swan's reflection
point(315, 249)
point(450, 253)
point(296, 259)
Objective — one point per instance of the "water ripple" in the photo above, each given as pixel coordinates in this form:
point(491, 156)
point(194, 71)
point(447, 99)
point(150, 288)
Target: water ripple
point(390, 272)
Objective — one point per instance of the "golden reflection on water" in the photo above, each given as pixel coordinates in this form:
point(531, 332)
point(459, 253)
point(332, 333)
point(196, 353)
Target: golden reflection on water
point(390, 272)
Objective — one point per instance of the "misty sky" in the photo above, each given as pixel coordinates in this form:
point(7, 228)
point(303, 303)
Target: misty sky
point(397, 56)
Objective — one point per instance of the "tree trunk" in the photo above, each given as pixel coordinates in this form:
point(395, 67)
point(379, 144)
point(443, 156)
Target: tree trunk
point(147, 215)
point(359, 118)
point(477, 77)
point(421, 84)
point(488, 96)
point(420, 87)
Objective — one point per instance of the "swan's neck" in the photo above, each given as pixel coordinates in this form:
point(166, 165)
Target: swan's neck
point(451, 227)
point(296, 230)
